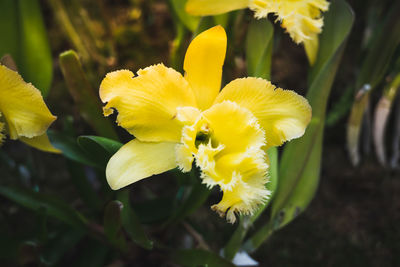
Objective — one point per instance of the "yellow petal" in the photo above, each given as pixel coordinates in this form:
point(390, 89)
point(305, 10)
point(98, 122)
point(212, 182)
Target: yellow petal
point(283, 114)
point(40, 142)
point(311, 47)
point(301, 19)
point(214, 7)
point(147, 104)
point(22, 105)
point(203, 65)
point(138, 160)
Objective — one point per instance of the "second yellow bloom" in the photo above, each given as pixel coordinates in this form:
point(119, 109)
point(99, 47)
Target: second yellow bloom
point(301, 18)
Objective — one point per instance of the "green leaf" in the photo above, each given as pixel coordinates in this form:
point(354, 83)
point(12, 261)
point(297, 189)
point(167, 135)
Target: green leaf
point(84, 95)
point(24, 37)
point(9, 28)
point(386, 39)
point(222, 20)
point(301, 158)
point(259, 44)
point(191, 22)
point(100, 148)
point(35, 62)
point(72, 150)
point(131, 222)
point(205, 24)
point(177, 55)
point(197, 257)
point(54, 207)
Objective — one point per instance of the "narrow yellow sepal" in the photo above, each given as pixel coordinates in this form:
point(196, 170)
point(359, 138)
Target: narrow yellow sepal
point(203, 65)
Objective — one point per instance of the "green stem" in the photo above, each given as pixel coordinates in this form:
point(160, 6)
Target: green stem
point(258, 238)
point(65, 22)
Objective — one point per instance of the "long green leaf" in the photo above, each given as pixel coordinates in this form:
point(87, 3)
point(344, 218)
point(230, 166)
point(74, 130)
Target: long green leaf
point(72, 150)
point(84, 95)
point(301, 159)
point(191, 22)
point(100, 149)
point(91, 142)
point(54, 206)
point(35, 62)
point(259, 44)
point(9, 28)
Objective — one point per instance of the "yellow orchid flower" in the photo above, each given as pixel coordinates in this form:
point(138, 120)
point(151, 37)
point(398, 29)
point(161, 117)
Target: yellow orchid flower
point(177, 120)
point(23, 113)
point(301, 18)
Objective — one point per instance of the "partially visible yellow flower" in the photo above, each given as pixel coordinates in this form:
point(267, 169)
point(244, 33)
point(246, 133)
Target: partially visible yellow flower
point(23, 113)
point(180, 120)
point(301, 18)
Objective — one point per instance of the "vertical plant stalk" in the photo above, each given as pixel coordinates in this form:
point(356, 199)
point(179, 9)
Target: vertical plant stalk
point(9, 29)
point(34, 62)
point(87, 32)
point(299, 168)
point(259, 44)
point(361, 101)
point(381, 116)
point(63, 19)
point(176, 53)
